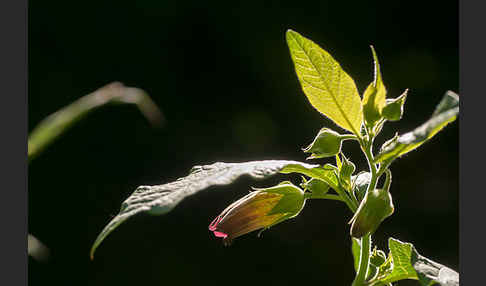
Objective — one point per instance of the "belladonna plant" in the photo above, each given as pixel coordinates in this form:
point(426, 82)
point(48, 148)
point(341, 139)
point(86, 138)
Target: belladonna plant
point(333, 93)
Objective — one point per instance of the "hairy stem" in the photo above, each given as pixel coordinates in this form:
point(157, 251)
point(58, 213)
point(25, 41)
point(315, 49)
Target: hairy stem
point(364, 261)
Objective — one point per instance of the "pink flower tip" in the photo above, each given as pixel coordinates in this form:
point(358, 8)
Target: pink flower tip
point(220, 234)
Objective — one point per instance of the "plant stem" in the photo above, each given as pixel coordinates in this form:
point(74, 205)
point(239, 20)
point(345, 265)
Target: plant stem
point(325, 196)
point(364, 261)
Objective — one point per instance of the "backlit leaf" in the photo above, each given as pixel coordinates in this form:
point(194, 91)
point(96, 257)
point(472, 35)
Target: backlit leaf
point(329, 89)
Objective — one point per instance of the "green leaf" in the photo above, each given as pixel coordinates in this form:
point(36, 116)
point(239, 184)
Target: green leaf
point(326, 173)
point(446, 112)
point(329, 89)
point(401, 254)
point(326, 144)
point(57, 123)
point(393, 110)
point(374, 97)
point(409, 264)
point(161, 199)
point(356, 249)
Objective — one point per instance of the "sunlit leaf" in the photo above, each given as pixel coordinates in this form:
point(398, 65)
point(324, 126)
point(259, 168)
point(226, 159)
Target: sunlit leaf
point(161, 199)
point(446, 112)
point(393, 109)
point(374, 97)
point(407, 263)
point(329, 89)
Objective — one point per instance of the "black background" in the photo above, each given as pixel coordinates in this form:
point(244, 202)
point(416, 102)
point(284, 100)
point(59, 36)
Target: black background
point(223, 77)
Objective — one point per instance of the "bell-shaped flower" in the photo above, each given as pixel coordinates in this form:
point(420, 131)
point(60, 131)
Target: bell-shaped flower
point(260, 209)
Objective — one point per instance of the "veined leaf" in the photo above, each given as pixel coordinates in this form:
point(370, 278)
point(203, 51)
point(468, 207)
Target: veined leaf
point(326, 173)
point(329, 89)
point(401, 254)
point(446, 112)
point(409, 264)
point(161, 199)
point(374, 97)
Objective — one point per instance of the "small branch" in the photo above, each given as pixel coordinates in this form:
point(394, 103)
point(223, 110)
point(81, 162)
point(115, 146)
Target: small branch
point(325, 197)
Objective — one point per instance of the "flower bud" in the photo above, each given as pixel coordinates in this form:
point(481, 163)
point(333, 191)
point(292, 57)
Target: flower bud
point(260, 209)
point(326, 144)
point(393, 109)
point(374, 208)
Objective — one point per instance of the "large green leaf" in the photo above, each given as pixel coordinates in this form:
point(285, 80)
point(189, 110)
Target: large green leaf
point(409, 264)
point(329, 89)
point(161, 199)
point(57, 123)
point(446, 112)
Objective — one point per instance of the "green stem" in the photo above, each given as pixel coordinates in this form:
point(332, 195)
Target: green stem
point(325, 196)
point(366, 146)
point(364, 259)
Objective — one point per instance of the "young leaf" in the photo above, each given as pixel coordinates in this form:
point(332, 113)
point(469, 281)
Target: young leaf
point(326, 144)
point(446, 112)
point(409, 264)
point(347, 169)
point(393, 109)
point(326, 173)
point(161, 199)
point(329, 89)
point(57, 123)
point(374, 98)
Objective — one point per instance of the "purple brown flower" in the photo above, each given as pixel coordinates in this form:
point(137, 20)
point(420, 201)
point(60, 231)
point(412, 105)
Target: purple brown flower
point(259, 209)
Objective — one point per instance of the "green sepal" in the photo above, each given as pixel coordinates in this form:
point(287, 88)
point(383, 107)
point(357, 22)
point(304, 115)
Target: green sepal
point(315, 186)
point(292, 200)
point(327, 143)
point(393, 110)
point(345, 172)
point(374, 97)
point(373, 209)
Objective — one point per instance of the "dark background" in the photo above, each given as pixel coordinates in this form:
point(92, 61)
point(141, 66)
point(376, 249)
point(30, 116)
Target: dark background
point(223, 77)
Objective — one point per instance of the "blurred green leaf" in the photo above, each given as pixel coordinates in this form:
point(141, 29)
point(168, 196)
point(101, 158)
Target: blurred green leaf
point(374, 97)
point(161, 199)
point(57, 123)
point(329, 89)
point(446, 112)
